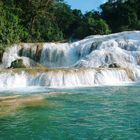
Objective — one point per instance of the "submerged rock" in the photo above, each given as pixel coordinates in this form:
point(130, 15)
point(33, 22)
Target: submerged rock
point(10, 104)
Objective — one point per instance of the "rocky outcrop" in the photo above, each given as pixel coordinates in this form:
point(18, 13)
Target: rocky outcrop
point(114, 65)
point(18, 63)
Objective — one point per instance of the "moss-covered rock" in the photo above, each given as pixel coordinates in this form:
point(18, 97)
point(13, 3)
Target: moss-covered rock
point(17, 64)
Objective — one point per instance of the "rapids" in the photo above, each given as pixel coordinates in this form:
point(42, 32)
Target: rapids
point(87, 62)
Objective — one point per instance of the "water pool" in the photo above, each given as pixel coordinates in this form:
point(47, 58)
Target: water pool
point(99, 113)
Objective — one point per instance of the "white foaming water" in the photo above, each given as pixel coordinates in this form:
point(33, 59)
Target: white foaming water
point(58, 55)
point(94, 51)
point(111, 77)
point(91, 52)
point(12, 80)
point(136, 73)
point(10, 55)
point(60, 78)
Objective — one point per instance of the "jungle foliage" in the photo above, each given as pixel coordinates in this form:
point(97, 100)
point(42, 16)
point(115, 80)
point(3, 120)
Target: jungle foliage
point(54, 20)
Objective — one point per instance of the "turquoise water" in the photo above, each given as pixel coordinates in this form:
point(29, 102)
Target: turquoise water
point(100, 113)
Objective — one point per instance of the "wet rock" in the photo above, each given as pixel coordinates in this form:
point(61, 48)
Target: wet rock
point(1, 55)
point(18, 63)
point(114, 65)
point(103, 66)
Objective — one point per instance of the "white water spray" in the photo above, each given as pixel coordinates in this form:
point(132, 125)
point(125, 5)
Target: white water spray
point(92, 53)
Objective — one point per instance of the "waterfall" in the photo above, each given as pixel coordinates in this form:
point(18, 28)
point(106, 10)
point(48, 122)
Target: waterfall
point(13, 80)
point(94, 51)
point(95, 60)
point(65, 78)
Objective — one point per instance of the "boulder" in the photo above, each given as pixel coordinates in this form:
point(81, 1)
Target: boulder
point(18, 63)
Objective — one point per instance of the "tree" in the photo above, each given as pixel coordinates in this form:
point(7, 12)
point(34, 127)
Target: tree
point(10, 29)
point(95, 24)
point(125, 12)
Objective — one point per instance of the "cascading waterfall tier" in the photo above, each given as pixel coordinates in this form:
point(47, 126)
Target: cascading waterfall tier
point(64, 77)
point(91, 61)
point(94, 51)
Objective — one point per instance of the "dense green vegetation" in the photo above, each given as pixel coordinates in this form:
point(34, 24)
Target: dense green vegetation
point(122, 15)
point(17, 64)
point(54, 20)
